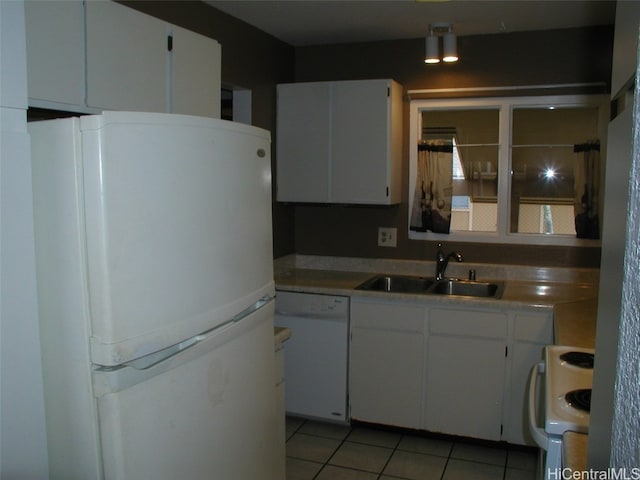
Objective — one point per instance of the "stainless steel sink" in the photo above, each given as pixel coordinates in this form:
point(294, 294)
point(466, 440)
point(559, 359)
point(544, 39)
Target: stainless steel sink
point(397, 284)
point(468, 288)
point(426, 285)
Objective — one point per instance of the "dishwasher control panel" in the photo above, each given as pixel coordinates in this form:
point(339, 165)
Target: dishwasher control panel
point(305, 304)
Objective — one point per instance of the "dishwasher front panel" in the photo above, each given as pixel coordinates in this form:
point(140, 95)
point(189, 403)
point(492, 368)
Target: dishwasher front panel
point(316, 355)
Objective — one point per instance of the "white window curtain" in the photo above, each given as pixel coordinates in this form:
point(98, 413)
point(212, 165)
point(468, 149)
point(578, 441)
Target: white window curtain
point(431, 208)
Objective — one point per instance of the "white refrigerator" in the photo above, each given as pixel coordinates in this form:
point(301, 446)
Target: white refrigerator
point(155, 288)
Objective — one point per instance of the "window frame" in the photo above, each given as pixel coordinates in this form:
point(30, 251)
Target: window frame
point(505, 107)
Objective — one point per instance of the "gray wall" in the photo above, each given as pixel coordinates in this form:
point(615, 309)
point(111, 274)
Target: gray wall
point(255, 60)
point(532, 58)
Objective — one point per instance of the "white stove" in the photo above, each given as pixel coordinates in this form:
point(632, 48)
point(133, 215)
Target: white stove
point(568, 371)
point(568, 376)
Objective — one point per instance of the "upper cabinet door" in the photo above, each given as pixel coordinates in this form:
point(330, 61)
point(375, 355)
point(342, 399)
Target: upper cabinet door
point(340, 142)
point(127, 58)
point(195, 63)
point(362, 142)
point(303, 152)
point(55, 53)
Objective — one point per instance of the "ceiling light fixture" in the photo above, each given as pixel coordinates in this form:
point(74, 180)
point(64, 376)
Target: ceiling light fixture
point(432, 54)
point(449, 47)
point(449, 44)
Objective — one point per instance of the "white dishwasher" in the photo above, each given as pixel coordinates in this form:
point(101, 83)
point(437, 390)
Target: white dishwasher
point(316, 354)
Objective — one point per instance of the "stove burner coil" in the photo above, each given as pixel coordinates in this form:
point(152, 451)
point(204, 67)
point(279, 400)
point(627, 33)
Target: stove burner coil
point(580, 399)
point(579, 359)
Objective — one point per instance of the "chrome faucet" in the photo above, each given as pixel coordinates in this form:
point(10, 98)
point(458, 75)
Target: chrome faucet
point(442, 261)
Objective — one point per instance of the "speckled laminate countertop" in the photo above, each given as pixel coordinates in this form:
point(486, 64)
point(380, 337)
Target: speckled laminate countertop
point(575, 323)
point(517, 294)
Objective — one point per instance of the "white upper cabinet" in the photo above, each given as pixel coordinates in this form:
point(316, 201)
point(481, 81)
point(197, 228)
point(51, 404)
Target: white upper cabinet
point(127, 58)
point(195, 73)
point(339, 142)
point(55, 53)
point(303, 147)
point(101, 55)
point(366, 141)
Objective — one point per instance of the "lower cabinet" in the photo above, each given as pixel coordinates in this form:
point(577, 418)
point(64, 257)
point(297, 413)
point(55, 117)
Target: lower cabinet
point(387, 363)
point(459, 371)
point(530, 333)
point(466, 362)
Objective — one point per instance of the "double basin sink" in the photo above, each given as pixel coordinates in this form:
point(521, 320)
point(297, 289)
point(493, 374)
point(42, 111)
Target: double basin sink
point(424, 285)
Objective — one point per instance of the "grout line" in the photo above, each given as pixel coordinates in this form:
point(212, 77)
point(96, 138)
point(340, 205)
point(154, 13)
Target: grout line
point(394, 449)
point(446, 464)
point(334, 452)
point(506, 462)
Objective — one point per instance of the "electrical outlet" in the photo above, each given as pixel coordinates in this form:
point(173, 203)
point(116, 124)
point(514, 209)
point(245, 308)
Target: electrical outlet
point(387, 237)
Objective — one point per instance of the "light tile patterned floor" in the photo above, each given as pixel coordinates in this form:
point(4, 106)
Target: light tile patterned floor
point(325, 451)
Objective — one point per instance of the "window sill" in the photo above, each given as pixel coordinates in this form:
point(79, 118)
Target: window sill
point(511, 239)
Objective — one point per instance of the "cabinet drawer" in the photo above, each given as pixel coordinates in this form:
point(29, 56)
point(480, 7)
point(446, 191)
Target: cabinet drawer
point(468, 323)
point(388, 316)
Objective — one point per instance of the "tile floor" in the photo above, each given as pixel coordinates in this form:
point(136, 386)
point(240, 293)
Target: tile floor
point(325, 451)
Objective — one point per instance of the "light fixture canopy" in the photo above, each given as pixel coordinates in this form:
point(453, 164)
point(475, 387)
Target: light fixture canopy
point(449, 44)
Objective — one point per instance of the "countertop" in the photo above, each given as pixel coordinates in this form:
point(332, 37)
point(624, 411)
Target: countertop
point(530, 294)
point(575, 323)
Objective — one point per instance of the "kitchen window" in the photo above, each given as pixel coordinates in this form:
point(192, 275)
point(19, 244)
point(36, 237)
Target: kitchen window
point(517, 169)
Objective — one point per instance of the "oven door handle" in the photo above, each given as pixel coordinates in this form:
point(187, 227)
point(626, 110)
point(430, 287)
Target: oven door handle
point(538, 433)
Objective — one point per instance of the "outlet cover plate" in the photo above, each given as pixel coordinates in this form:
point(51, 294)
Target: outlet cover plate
point(387, 237)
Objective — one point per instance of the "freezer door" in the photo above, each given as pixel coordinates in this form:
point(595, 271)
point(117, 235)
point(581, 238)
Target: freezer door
point(209, 412)
point(178, 225)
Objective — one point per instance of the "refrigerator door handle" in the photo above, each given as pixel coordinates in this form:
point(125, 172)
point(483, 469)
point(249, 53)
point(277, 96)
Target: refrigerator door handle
point(160, 356)
point(153, 359)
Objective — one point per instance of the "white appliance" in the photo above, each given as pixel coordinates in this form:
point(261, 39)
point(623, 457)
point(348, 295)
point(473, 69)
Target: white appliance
point(316, 355)
point(568, 373)
point(154, 264)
